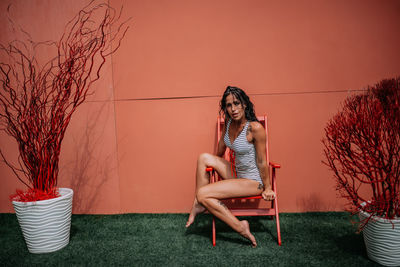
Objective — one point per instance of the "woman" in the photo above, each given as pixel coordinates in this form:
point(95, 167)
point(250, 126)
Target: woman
point(246, 137)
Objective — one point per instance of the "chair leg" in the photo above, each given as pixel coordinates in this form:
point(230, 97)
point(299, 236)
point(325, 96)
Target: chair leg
point(278, 227)
point(213, 232)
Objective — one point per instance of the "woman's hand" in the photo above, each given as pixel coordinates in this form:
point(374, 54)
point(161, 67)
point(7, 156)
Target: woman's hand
point(268, 194)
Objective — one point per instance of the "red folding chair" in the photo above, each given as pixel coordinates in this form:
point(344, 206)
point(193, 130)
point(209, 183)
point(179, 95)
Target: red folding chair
point(273, 210)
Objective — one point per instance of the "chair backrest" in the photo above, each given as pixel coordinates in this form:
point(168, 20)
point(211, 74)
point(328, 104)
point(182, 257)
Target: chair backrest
point(261, 119)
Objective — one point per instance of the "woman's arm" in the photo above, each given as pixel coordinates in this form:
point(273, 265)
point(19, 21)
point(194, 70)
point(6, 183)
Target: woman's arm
point(259, 139)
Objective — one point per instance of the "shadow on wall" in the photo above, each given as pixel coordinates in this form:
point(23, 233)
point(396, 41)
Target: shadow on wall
point(88, 167)
point(313, 202)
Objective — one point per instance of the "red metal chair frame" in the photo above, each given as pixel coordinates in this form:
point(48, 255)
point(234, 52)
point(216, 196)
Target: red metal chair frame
point(273, 211)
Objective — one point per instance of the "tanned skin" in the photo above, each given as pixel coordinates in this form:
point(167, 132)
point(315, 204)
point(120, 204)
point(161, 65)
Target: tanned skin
point(208, 195)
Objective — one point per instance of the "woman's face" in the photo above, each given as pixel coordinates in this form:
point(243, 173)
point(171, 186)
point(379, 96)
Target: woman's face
point(234, 108)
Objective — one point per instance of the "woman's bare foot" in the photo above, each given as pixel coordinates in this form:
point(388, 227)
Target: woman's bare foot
point(196, 209)
point(247, 234)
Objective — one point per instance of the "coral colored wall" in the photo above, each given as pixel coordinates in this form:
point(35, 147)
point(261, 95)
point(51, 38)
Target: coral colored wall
point(133, 146)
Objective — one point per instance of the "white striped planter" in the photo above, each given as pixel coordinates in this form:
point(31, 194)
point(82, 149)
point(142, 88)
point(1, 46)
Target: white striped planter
point(382, 240)
point(46, 224)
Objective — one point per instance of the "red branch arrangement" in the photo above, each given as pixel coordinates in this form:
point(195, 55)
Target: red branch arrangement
point(362, 148)
point(37, 100)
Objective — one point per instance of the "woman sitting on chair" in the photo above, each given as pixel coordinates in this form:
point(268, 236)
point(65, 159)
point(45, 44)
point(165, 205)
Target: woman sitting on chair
point(245, 136)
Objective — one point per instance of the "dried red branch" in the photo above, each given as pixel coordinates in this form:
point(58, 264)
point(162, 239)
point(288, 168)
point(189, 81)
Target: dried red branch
point(362, 148)
point(37, 100)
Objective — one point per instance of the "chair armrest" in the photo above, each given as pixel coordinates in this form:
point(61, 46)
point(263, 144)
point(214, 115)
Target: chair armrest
point(209, 169)
point(274, 165)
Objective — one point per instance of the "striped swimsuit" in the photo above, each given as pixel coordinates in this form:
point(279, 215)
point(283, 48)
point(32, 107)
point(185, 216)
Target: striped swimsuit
point(245, 154)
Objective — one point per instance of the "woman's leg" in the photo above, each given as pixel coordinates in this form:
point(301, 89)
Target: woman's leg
point(205, 160)
point(209, 196)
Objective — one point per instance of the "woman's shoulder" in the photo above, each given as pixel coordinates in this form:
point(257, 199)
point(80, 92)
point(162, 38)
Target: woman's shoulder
point(256, 129)
point(255, 126)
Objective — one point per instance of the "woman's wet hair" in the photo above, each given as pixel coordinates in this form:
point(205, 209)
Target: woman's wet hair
point(244, 100)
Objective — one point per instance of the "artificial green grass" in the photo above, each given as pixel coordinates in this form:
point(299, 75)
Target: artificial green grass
point(308, 239)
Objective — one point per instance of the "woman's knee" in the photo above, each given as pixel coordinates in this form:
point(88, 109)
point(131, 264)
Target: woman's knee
point(202, 195)
point(206, 159)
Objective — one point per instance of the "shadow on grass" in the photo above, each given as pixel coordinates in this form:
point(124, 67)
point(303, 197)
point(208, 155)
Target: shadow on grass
point(203, 227)
point(74, 230)
point(327, 234)
point(352, 244)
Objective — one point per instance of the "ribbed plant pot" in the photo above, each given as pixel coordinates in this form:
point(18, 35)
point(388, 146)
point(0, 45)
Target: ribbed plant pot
point(382, 239)
point(46, 224)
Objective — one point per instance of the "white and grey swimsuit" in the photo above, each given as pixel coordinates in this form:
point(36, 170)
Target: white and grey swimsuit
point(245, 154)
